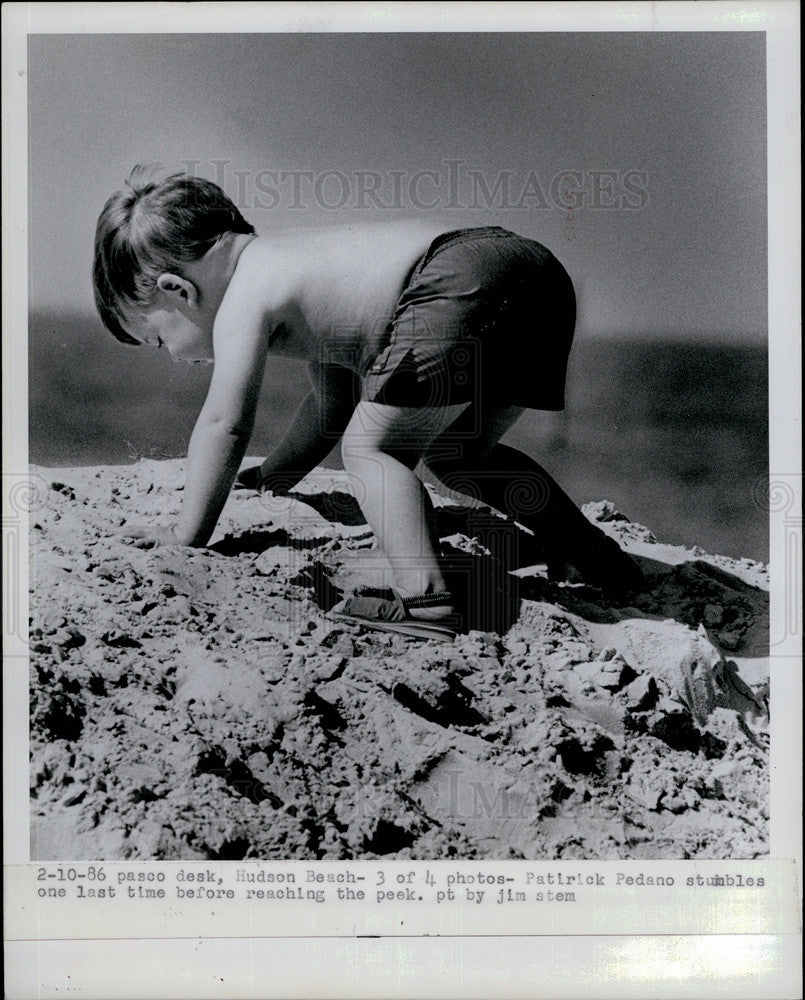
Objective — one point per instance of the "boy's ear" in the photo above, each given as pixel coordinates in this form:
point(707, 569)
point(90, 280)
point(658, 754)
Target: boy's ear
point(175, 286)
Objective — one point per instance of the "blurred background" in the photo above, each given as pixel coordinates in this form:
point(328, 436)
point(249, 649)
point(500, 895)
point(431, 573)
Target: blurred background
point(639, 159)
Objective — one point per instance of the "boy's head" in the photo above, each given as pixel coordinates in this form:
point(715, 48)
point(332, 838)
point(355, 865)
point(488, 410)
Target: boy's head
point(151, 228)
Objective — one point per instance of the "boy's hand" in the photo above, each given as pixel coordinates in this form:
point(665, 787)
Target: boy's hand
point(148, 536)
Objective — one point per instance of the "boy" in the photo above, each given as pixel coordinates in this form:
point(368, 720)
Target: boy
point(424, 346)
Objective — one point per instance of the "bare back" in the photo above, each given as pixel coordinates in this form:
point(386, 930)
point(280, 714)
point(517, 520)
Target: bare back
point(331, 293)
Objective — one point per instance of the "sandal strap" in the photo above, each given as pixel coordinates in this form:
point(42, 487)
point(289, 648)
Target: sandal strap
point(427, 600)
point(375, 608)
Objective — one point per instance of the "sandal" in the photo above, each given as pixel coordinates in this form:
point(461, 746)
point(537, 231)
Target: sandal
point(393, 616)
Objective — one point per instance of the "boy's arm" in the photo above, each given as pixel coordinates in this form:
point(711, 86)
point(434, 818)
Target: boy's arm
point(317, 425)
point(224, 426)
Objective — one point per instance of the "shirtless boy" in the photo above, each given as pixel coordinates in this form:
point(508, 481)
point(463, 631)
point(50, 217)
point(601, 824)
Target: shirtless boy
point(424, 345)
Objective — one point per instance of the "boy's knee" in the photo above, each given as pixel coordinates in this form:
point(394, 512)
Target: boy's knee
point(450, 459)
point(359, 446)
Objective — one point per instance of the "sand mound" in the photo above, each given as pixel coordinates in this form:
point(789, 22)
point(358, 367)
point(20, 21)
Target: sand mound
point(200, 704)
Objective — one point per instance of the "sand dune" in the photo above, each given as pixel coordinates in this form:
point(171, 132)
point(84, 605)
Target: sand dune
point(200, 703)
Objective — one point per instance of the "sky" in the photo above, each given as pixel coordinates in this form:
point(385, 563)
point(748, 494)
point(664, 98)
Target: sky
point(639, 159)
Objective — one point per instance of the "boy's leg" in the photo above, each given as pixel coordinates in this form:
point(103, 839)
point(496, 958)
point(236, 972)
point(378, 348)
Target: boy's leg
point(471, 461)
point(516, 485)
point(380, 448)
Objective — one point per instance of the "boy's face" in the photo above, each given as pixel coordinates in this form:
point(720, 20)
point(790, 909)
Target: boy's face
point(184, 337)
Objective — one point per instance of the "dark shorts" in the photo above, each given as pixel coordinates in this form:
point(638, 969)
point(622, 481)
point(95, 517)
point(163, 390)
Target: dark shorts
point(486, 315)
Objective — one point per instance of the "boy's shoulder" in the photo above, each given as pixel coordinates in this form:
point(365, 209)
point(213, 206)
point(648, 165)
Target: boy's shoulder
point(256, 287)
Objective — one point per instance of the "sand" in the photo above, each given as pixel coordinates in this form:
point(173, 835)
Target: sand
point(199, 704)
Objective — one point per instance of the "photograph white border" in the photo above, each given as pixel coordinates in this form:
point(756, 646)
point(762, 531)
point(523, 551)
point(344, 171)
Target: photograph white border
point(706, 966)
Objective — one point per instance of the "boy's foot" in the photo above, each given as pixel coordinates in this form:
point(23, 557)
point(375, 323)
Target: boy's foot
point(607, 566)
point(428, 617)
point(249, 479)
